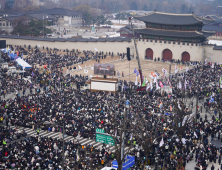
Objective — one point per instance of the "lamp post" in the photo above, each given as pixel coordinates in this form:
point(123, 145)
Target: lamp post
point(63, 130)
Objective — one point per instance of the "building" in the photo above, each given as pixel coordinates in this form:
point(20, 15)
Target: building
point(10, 3)
point(58, 16)
point(7, 19)
point(219, 11)
point(215, 26)
point(2, 5)
point(63, 17)
point(127, 31)
point(172, 29)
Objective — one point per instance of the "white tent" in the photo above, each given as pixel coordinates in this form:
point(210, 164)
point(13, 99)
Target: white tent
point(23, 63)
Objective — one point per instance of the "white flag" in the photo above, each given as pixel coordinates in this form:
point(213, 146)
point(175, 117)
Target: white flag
point(136, 82)
point(131, 137)
point(92, 68)
point(151, 85)
point(206, 61)
point(146, 81)
point(187, 69)
point(195, 135)
point(147, 87)
point(184, 141)
point(161, 143)
point(164, 70)
point(80, 67)
point(180, 85)
point(175, 68)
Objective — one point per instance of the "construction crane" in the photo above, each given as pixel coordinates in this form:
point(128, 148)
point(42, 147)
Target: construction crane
point(137, 56)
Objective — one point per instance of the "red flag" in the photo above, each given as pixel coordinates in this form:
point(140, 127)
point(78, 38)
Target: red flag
point(17, 53)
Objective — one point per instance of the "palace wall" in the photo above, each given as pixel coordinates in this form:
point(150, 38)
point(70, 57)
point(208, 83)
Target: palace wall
point(158, 47)
point(196, 51)
point(210, 53)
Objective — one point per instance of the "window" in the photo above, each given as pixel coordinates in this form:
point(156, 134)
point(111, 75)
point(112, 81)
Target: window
point(6, 24)
point(155, 41)
point(165, 42)
point(187, 43)
point(173, 42)
point(3, 24)
point(0, 24)
point(178, 43)
point(160, 41)
point(169, 42)
point(62, 16)
point(183, 43)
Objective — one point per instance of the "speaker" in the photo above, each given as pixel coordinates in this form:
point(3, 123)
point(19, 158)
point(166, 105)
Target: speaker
point(2, 44)
point(128, 54)
point(104, 76)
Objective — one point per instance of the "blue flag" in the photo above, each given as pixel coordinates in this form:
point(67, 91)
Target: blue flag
point(135, 71)
point(22, 55)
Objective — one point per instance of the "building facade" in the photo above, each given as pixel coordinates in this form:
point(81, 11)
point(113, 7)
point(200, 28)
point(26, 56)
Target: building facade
point(57, 16)
point(171, 30)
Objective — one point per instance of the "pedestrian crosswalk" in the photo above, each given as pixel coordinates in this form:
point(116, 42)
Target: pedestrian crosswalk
point(79, 140)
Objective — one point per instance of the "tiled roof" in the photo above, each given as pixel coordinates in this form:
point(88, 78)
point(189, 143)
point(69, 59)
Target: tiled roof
point(115, 39)
point(212, 28)
point(217, 48)
point(173, 19)
point(168, 33)
point(59, 11)
point(39, 16)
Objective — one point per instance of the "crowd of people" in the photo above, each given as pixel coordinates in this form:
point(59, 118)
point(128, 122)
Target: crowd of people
point(153, 116)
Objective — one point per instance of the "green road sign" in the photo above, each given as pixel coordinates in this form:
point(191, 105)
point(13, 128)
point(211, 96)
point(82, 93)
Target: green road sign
point(100, 130)
point(104, 138)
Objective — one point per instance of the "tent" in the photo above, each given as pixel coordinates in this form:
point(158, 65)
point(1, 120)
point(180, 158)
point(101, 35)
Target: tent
point(129, 161)
point(5, 50)
point(22, 63)
point(13, 56)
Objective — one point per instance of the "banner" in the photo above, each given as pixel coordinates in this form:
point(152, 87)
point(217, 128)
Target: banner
point(104, 69)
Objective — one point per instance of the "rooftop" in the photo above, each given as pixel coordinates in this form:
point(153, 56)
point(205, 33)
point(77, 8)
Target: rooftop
point(58, 11)
point(169, 33)
point(115, 39)
point(173, 19)
point(212, 28)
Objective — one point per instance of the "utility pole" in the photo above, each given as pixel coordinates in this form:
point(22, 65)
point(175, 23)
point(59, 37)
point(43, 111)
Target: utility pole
point(63, 129)
point(197, 100)
point(46, 26)
point(43, 26)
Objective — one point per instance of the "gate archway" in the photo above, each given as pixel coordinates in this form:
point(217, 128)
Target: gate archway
point(149, 54)
point(167, 55)
point(185, 56)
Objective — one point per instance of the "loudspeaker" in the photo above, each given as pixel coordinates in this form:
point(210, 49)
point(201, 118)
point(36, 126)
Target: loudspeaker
point(104, 76)
point(128, 54)
point(2, 44)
